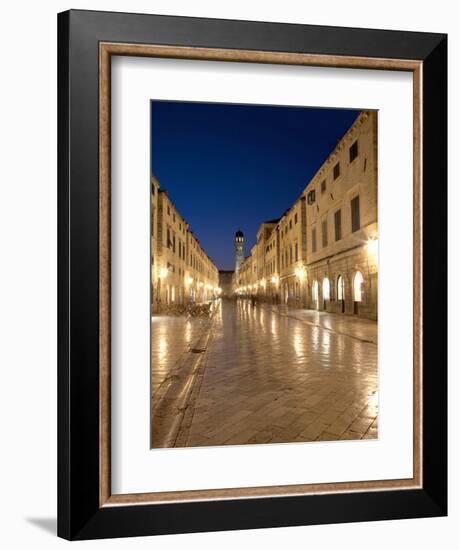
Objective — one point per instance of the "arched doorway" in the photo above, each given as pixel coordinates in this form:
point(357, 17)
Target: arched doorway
point(340, 291)
point(325, 291)
point(358, 280)
point(315, 294)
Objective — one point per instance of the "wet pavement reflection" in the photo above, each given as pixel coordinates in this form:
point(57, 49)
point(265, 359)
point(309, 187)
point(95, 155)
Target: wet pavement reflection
point(270, 375)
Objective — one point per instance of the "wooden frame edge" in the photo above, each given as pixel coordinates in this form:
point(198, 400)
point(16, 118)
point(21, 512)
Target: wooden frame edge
point(106, 50)
point(104, 276)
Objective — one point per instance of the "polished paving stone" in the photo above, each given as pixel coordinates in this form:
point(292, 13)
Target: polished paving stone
point(267, 375)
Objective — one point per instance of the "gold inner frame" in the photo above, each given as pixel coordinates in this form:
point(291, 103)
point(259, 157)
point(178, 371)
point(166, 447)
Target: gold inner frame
point(106, 51)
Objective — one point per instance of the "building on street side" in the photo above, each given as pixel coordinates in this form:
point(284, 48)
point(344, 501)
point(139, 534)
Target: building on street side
point(181, 272)
point(342, 224)
point(272, 265)
point(292, 251)
point(322, 253)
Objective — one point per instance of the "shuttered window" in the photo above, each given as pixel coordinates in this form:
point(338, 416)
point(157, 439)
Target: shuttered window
point(338, 225)
point(355, 213)
point(324, 234)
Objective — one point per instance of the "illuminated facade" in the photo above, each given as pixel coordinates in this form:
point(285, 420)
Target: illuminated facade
point(181, 271)
point(342, 224)
point(238, 249)
point(322, 253)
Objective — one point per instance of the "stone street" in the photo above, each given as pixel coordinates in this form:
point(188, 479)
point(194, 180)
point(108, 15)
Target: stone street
point(263, 374)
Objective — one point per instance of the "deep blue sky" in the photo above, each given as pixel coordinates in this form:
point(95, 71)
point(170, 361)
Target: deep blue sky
point(233, 166)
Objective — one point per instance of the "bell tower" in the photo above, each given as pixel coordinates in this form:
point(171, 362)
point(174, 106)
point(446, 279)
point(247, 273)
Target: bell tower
point(239, 249)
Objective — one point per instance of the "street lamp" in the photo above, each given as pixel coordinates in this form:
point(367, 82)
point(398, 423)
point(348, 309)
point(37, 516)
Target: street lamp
point(300, 272)
point(163, 271)
point(372, 248)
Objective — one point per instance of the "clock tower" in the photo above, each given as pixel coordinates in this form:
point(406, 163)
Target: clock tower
point(239, 249)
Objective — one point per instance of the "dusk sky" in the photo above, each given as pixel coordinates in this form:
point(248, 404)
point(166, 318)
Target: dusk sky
point(229, 167)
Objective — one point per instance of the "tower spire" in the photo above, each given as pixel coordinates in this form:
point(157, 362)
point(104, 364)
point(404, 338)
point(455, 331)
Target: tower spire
point(238, 249)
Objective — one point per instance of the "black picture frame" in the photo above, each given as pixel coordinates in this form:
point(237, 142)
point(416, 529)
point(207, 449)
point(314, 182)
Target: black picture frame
point(80, 515)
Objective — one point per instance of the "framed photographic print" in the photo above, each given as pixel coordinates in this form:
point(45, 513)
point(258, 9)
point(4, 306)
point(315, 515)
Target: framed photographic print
point(252, 274)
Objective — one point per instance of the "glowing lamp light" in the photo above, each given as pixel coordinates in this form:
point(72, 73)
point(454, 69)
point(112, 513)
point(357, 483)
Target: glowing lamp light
point(201, 284)
point(372, 247)
point(275, 280)
point(162, 274)
point(263, 283)
point(189, 281)
point(300, 272)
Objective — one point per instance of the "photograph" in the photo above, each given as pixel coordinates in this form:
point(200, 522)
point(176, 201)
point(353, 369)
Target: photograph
point(264, 274)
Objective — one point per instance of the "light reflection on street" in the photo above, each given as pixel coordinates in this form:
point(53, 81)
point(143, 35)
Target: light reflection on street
point(266, 366)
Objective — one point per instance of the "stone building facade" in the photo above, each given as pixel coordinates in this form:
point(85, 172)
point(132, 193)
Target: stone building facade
point(244, 278)
point(322, 253)
point(181, 271)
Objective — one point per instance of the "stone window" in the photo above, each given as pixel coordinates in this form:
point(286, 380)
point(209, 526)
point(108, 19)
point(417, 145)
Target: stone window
point(296, 252)
point(324, 234)
point(353, 151)
point(296, 218)
point(168, 210)
point(290, 224)
point(169, 243)
point(314, 240)
point(355, 213)
point(338, 225)
point(323, 187)
point(336, 171)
